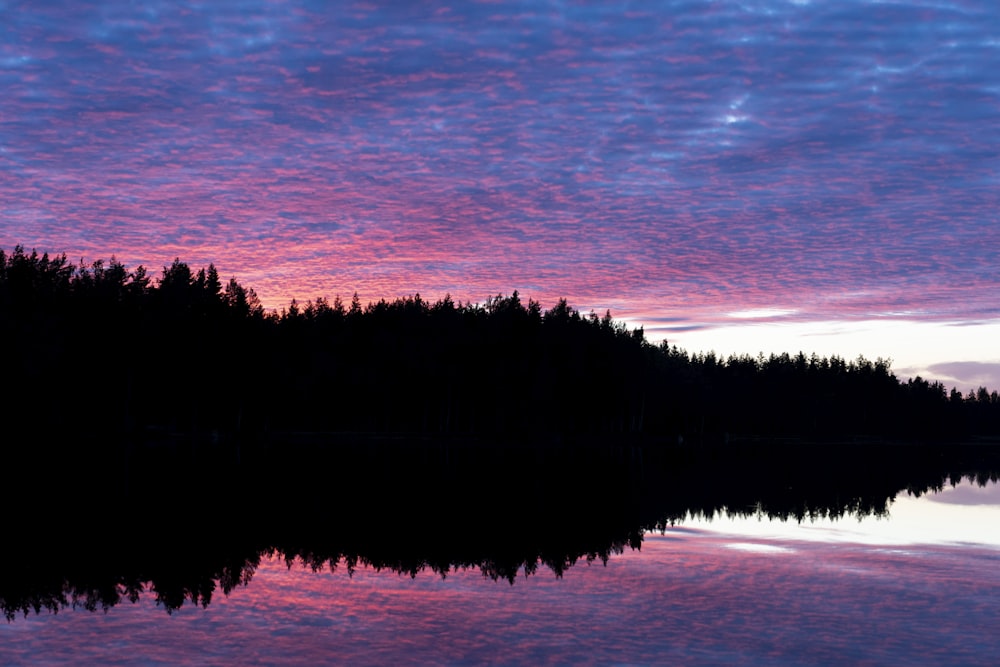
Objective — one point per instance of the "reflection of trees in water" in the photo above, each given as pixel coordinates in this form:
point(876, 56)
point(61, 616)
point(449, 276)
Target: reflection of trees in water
point(193, 528)
point(213, 387)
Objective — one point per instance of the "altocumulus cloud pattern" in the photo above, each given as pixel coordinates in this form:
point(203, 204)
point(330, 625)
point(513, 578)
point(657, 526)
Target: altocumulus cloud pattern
point(670, 160)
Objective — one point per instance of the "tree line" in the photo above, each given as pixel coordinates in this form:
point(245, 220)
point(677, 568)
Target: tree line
point(101, 349)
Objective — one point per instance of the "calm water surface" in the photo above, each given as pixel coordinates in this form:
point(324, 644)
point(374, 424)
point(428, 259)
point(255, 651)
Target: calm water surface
point(919, 587)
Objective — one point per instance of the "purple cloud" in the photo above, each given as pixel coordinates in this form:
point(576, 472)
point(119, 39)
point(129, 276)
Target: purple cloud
point(838, 159)
point(689, 597)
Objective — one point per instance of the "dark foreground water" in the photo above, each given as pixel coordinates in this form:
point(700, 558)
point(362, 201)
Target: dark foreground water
point(919, 587)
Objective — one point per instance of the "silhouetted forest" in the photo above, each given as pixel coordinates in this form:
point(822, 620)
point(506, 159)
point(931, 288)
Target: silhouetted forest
point(101, 349)
point(195, 524)
point(161, 436)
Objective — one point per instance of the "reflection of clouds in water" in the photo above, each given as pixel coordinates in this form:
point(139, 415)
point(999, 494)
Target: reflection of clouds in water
point(686, 597)
point(967, 494)
point(946, 518)
point(759, 548)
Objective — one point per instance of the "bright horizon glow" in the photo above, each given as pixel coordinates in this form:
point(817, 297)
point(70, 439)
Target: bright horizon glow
point(958, 354)
point(962, 515)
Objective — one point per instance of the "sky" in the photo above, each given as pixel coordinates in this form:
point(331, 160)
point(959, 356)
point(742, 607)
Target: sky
point(739, 176)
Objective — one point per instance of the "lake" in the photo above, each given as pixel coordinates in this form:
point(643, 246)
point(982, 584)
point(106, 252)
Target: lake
point(919, 586)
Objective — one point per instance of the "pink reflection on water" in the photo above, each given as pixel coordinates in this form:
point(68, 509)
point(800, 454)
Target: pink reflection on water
point(689, 597)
